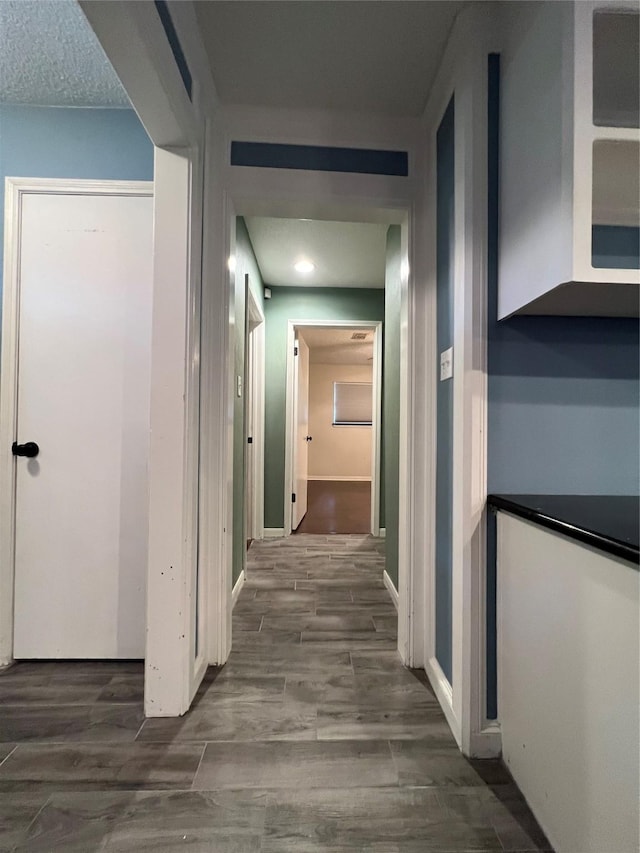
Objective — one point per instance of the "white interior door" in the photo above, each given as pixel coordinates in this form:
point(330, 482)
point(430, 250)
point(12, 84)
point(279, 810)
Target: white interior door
point(81, 506)
point(301, 431)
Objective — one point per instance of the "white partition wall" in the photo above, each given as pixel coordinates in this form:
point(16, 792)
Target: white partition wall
point(175, 115)
point(568, 670)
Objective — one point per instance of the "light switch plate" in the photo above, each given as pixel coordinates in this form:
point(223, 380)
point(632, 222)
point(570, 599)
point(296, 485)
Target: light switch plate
point(446, 364)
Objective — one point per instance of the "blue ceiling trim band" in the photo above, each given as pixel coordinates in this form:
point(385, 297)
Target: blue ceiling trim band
point(174, 42)
point(320, 158)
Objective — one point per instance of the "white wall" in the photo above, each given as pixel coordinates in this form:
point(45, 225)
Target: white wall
point(336, 452)
point(568, 631)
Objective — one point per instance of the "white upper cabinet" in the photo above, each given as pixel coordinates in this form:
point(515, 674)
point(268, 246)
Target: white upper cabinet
point(569, 159)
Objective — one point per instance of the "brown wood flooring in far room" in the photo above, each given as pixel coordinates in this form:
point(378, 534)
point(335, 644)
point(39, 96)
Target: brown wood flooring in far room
point(335, 506)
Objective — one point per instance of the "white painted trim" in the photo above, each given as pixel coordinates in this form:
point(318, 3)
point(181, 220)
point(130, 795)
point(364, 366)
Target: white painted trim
point(393, 592)
point(171, 670)
point(199, 580)
point(15, 190)
point(216, 425)
point(273, 532)
point(382, 533)
point(444, 694)
point(237, 588)
point(409, 429)
point(330, 479)
point(134, 40)
point(376, 430)
point(464, 72)
point(486, 743)
point(136, 44)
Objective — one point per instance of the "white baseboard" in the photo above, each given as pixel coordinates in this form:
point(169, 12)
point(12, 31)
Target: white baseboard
point(444, 695)
point(273, 532)
point(487, 743)
point(342, 479)
point(383, 533)
point(484, 744)
point(237, 589)
point(393, 592)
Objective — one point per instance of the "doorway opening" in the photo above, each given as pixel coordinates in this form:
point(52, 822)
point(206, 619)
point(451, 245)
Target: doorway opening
point(345, 294)
point(334, 428)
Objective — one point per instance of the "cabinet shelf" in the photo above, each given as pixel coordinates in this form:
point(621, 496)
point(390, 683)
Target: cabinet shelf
point(570, 159)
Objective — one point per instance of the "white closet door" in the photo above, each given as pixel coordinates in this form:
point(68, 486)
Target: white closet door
point(83, 363)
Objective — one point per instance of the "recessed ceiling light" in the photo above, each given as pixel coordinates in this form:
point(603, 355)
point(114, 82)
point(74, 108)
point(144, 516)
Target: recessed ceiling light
point(304, 267)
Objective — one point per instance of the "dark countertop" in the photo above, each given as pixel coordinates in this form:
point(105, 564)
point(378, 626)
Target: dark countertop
point(610, 523)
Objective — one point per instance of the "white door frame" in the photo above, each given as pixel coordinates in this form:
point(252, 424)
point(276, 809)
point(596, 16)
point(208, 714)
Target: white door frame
point(184, 536)
point(376, 431)
point(416, 428)
point(254, 382)
point(15, 191)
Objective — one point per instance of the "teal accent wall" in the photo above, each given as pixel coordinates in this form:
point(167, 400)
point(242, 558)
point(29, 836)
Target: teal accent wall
point(298, 303)
point(246, 264)
point(391, 406)
point(48, 142)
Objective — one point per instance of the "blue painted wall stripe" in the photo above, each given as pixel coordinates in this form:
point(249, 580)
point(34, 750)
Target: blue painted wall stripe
point(174, 43)
point(320, 158)
point(445, 247)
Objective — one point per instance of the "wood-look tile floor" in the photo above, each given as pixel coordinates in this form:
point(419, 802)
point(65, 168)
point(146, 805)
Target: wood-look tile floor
point(313, 737)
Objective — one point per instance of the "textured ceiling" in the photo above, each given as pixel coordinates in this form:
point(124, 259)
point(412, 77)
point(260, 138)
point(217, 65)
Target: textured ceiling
point(376, 56)
point(345, 254)
point(334, 346)
point(49, 56)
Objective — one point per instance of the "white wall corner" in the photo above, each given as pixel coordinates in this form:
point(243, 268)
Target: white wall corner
point(486, 743)
point(444, 694)
point(393, 592)
point(237, 588)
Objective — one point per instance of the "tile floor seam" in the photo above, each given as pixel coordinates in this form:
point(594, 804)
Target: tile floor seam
point(142, 724)
point(204, 749)
point(35, 817)
point(9, 754)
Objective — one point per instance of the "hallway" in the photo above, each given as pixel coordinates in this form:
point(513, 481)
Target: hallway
point(313, 737)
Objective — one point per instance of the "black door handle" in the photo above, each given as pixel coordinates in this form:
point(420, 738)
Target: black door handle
point(29, 449)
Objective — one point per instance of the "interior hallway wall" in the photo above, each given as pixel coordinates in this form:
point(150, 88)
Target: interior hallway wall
point(391, 399)
point(336, 452)
point(48, 142)
point(564, 405)
point(246, 264)
point(304, 304)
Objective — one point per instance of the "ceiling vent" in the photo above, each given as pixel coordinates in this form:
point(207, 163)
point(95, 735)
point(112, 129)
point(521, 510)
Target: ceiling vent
point(359, 336)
